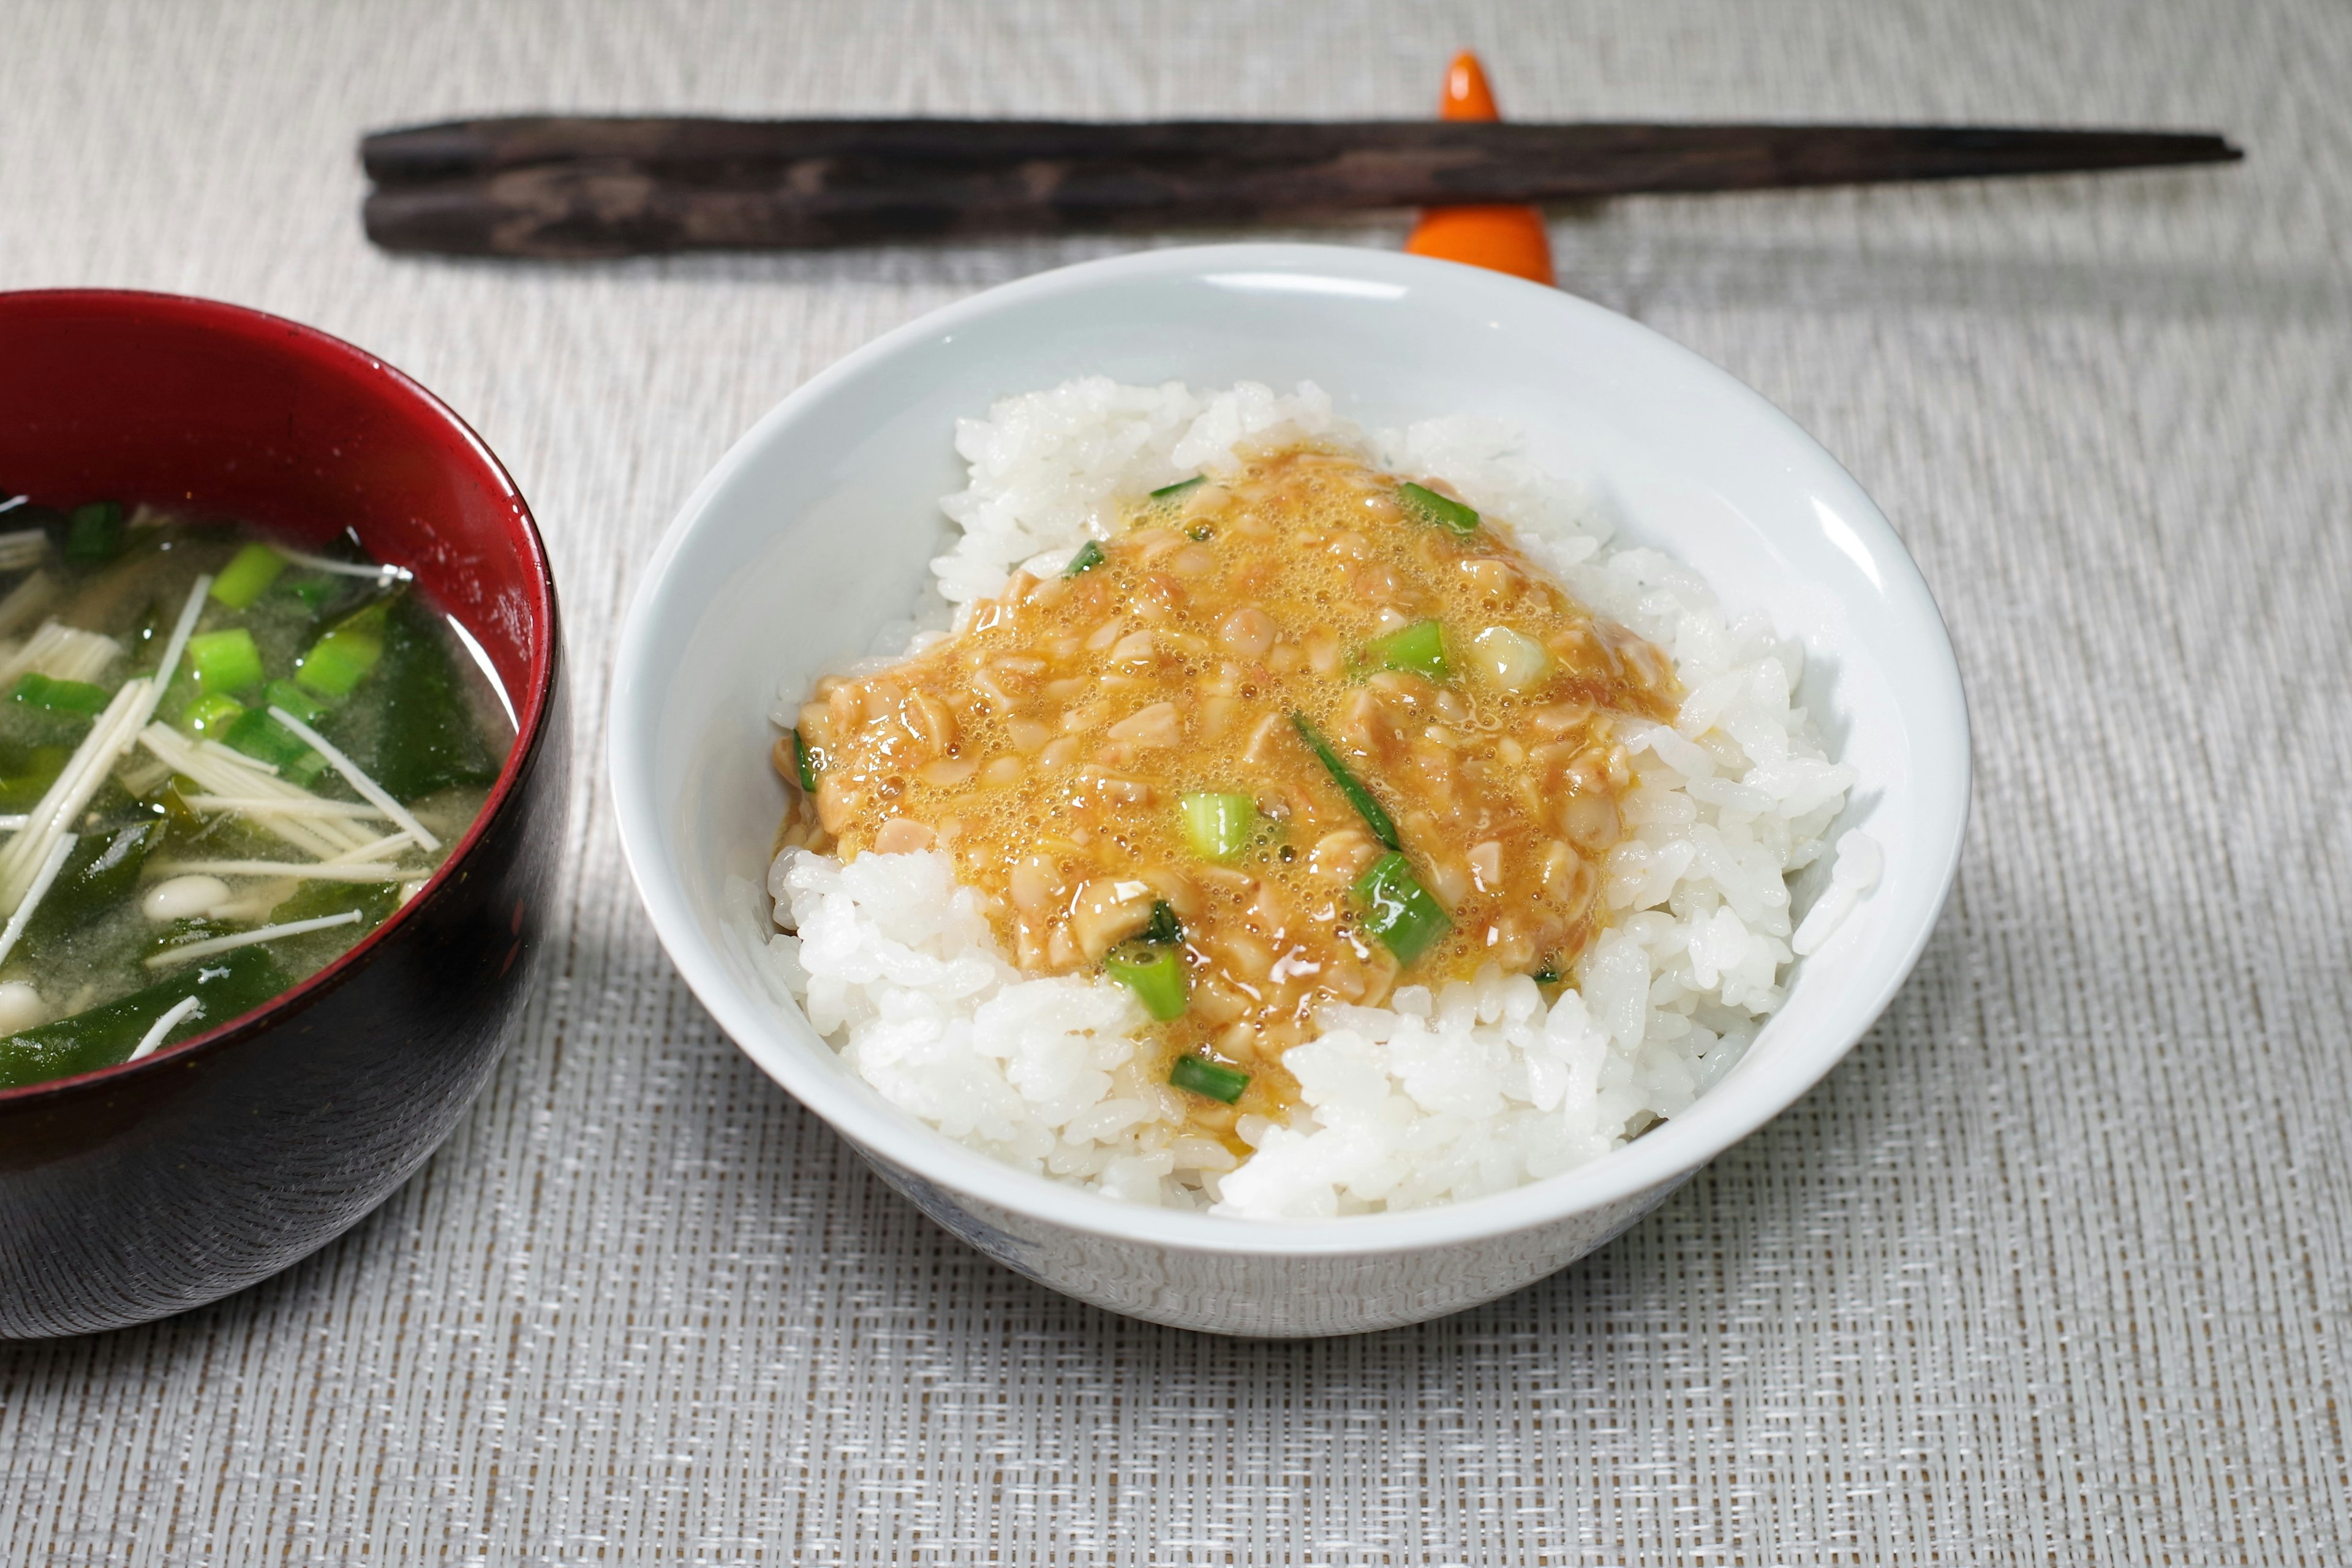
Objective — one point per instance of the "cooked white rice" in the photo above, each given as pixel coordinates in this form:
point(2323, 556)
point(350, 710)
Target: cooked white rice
point(1440, 1095)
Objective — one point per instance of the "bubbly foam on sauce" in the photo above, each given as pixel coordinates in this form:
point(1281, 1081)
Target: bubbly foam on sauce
point(1045, 746)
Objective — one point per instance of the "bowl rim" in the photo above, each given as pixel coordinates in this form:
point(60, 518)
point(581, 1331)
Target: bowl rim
point(533, 705)
point(879, 1131)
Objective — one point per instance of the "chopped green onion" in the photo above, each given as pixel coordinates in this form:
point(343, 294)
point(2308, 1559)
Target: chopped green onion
point(1088, 557)
point(1398, 909)
point(39, 690)
point(801, 760)
point(341, 658)
point(1375, 816)
point(1217, 826)
point(295, 700)
point(1170, 493)
point(211, 714)
point(247, 576)
point(1419, 648)
point(1214, 1079)
point(94, 534)
point(1430, 507)
point(1164, 927)
point(1548, 975)
point(1154, 971)
point(258, 735)
point(225, 661)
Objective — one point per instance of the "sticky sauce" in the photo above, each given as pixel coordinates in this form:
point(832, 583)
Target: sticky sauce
point(1047, 746)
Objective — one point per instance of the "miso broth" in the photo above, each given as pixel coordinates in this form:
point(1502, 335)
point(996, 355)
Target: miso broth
point(224, 761)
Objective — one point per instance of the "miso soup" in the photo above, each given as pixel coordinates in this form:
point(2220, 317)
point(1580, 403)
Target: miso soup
point(224, 761)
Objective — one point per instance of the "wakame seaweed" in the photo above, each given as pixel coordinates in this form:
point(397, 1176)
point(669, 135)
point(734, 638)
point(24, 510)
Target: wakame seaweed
point(424, 737)
point(236, 981)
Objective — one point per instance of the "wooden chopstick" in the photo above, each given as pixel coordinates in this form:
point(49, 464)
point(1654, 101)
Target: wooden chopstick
point(561, 187)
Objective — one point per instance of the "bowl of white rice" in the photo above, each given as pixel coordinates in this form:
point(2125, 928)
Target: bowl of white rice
point(1790, 838)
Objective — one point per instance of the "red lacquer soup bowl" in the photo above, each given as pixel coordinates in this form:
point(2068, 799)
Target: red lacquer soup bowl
point(157, 1185)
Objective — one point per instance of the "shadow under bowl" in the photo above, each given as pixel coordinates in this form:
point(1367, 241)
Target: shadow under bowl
point(150, 1187)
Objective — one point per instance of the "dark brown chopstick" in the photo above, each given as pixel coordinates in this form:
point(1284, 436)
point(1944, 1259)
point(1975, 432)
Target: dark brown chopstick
point(580, 187)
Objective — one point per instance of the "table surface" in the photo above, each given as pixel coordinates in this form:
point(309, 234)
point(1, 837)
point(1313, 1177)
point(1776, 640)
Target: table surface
point(2052, 1269)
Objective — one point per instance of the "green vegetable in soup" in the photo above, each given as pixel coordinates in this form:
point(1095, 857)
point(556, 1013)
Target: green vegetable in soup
point(247, 576)
point(233, 983)
point(424, 737)
point(295, 700)
point(34, 690)
point(314, 593)
point(340, 659)
point(102, 869)
point(263, 738)
point(225, 661)
point(1089, 556)
point(23, 785)
point(1170, 493)
point(377, 669)
point(211, 715)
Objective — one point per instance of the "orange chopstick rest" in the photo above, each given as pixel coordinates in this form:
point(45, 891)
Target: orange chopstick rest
point(1502, 238)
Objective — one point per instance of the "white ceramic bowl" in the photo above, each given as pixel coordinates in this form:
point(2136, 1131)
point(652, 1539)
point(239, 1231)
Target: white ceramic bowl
point(816, 528)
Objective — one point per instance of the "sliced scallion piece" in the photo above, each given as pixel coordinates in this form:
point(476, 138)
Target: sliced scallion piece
point(211, 714)
point(1088, 557)
point(802, 764)
point(1419, 648)
point(39, 690)
point(1200, 1076)
point(341, 658)
point(225, 661)
point(1398, 909)
point(1170, 493)
point(258, 735)
point(1154, 971)
point(1444, 510)
point(1218, 824)
point(1375, 816)
point(247, 576)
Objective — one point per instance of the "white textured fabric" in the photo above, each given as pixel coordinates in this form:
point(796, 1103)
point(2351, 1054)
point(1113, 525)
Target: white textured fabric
point(2057, 1269)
